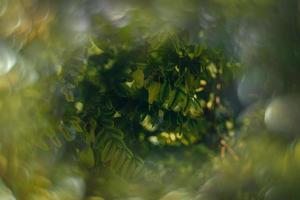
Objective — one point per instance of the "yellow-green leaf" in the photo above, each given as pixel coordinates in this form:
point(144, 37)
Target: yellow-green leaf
point(138, 77)
point(153, 91)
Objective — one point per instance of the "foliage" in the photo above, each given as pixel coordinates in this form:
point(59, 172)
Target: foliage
point(123, 101)
point(133, 99)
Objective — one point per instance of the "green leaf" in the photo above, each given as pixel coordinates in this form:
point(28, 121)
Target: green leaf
point(138, 77)
point(106, 152)
point(86, 157)
point(153, 92)
point(94, 49)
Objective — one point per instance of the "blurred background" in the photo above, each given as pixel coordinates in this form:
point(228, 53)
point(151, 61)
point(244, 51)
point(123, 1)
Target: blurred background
point(250, 152)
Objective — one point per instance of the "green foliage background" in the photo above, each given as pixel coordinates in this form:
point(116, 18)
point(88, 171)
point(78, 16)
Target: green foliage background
point(137, 100)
